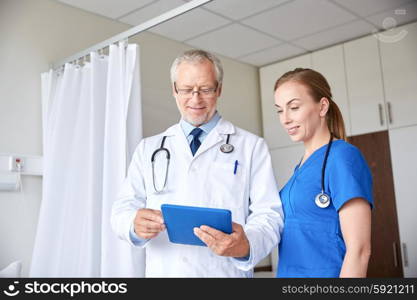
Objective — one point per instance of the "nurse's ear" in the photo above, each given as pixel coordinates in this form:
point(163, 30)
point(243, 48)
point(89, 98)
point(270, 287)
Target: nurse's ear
point(324, 106)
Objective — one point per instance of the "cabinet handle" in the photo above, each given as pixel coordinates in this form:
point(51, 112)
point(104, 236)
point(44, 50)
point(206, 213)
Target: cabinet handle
point(405, 255)
point(389, 112)
point(394, 248)
point(381, 116)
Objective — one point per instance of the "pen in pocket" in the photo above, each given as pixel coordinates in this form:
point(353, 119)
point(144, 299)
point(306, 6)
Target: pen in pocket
point(234, 171)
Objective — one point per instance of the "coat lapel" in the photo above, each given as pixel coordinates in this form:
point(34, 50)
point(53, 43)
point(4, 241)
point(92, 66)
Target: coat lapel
point(216, 136)
point(179, 143)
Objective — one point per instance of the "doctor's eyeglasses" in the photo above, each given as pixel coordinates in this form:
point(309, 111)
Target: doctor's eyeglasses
point(189, 93)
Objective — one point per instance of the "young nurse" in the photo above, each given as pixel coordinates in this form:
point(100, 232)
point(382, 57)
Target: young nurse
point(327, 202)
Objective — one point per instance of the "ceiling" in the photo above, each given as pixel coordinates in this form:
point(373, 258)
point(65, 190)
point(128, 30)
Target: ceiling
point(260, 32)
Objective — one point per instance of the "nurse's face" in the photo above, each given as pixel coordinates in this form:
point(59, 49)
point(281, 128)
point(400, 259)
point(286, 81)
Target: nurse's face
point(196, 108)
point(300, 115)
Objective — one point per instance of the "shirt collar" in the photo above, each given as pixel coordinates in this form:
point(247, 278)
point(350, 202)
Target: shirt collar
point(206, 127)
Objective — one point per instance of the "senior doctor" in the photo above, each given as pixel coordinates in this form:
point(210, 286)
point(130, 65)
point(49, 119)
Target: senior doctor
point(212, 163)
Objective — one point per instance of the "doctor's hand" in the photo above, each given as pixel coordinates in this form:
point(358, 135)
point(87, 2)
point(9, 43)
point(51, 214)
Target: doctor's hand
point(235, 244)
point(148, 223)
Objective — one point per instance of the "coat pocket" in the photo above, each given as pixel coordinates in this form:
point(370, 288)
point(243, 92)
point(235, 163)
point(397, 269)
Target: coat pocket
point(228, 185)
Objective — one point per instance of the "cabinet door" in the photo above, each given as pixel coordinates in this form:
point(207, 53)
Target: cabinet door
point(330, 63)
point(404, 165)
point(385, 259)
point(399, 66)
point(274, 134)
point(284, 161)
point(364, 82)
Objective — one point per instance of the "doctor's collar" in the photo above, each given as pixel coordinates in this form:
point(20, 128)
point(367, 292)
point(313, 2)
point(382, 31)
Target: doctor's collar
point(206, 127)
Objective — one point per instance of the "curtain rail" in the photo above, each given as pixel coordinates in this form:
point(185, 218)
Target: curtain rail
point(134, 31)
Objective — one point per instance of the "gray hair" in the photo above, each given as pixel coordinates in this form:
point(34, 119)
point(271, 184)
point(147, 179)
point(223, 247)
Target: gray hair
point(196, 55)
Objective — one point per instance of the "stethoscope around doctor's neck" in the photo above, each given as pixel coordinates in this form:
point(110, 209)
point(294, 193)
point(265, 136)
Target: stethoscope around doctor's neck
point(225, 148)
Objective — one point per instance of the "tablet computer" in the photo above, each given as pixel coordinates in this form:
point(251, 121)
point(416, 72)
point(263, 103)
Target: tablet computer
point(180, 221)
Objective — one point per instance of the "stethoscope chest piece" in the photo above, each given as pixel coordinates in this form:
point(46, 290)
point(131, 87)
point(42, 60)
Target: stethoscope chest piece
point(322, 200)
point(226, 148)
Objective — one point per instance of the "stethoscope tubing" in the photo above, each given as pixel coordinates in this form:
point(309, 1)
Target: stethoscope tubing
point(323, 168)
point(322, 199)
point(168, 157)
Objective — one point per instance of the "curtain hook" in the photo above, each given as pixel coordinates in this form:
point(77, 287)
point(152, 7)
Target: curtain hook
point(124, 42)
point(60, 70)
point(101, 52)
point(78, 63)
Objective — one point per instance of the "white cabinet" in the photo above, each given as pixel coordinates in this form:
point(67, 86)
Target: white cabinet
point(274, 134)
point(284, 161)
point(365, 89)
point(398, 49)
point(403, 147)
point(330, 63)
point(381, 73)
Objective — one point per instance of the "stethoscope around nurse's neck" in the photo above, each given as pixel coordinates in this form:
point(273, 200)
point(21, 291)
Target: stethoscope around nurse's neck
point(322, 199)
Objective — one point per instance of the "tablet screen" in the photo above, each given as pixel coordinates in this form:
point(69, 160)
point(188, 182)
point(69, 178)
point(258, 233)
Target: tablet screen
point(180, 221)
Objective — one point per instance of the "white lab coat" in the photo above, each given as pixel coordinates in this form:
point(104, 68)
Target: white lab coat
point(206, 180)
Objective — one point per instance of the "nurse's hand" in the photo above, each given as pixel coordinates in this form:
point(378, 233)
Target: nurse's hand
point(235, 244)
point(148, 223)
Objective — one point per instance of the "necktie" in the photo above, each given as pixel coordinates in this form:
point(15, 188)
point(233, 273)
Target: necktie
point(195, 143)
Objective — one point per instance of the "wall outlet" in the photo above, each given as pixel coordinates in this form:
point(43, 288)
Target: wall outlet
point(16, 164)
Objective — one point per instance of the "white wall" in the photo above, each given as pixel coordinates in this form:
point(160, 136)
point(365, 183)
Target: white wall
point(34, 34)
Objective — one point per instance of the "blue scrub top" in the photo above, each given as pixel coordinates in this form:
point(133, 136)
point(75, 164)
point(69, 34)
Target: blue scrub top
point(312, 243)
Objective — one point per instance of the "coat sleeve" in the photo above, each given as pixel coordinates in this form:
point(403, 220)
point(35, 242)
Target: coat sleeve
point(131, 197)
point(265, 219)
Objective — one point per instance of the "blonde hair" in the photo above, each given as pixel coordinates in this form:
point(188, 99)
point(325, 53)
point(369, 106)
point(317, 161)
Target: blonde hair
point(197, 55)
point(318, 88)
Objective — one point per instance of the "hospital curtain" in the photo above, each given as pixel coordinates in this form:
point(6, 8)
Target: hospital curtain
point(91, 125)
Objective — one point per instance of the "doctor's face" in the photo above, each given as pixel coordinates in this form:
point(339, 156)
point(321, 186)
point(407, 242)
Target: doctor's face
point(195, 107)
point(299, 114)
